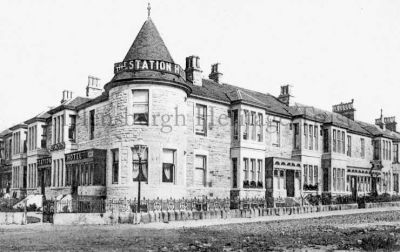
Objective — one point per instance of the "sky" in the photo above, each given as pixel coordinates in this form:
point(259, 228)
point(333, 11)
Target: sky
point(330, 51)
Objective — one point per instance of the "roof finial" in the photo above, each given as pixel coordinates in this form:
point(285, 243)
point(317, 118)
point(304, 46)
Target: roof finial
point(148, 10)
point(381, 113)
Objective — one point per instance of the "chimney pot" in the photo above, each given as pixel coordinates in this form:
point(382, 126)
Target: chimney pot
point(66, 96)
point(285, 95)
point(93, 88)
point(193, 70)
point(216, 74)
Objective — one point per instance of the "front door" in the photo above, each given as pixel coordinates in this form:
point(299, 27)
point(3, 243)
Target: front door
point(290, 183)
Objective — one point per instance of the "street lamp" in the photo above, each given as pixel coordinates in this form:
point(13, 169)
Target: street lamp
point(140, 148)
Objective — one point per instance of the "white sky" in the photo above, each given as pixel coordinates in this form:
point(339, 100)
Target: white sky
point(330, 51)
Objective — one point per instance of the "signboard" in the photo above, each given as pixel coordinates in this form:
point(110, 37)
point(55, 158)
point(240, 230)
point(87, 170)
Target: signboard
point(78, 156)
point(153, 65)
point(44, 162)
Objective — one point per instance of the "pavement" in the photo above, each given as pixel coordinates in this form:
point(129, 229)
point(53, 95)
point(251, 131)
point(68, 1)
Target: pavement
point(212, 222)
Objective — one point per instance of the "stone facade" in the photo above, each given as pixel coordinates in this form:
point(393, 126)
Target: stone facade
point(203, 138)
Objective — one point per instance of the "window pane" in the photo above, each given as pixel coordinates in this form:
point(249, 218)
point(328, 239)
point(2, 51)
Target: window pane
point(168, 156)
point(140, 96)
point(199, 171)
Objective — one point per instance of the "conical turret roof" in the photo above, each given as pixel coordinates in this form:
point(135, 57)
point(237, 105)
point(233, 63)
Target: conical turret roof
point(148, 45)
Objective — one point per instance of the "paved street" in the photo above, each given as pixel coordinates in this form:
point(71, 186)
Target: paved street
point(358, 231)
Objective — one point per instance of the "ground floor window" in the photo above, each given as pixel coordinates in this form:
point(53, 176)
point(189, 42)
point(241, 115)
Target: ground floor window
point(200, 170)
point(168, 166)
point(234, 173)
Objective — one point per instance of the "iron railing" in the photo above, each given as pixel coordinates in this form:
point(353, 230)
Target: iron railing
point(127, 205)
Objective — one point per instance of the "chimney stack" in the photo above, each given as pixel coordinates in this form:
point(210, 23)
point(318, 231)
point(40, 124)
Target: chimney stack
point(285, 95)
point(93, 88)
point(66, 96)
point(345, 109)
point(390, 123)
point(380, 121)
point(193, 70)
point(215, 74)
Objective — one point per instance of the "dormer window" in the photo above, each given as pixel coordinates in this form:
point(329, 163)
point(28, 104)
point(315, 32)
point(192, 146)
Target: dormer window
point(140, 107)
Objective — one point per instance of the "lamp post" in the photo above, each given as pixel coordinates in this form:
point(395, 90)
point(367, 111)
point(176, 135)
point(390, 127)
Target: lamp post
point(140, 149)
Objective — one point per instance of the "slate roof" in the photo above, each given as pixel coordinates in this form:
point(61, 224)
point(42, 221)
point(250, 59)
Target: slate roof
point(70, 104)
point(40, 117)
point(148, 45)
point(5, 132)
point(327, 117)
point(231, 94)
point(377, 131)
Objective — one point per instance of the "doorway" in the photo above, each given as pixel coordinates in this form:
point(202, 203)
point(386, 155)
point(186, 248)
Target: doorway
point(290, 183)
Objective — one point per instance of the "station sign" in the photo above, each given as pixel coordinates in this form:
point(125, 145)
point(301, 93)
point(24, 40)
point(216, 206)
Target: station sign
point(137, 65)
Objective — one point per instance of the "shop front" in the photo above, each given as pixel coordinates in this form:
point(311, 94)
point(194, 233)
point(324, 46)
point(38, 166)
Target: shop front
point(86, 172)
point(44, 173)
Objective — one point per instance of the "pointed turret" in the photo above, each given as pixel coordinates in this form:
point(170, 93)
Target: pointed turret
point(148, 45)
point(148, 59)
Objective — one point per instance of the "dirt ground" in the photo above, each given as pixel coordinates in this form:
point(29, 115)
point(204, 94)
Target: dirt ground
point(367, 231)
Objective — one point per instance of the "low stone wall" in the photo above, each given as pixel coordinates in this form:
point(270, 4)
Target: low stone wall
point(382, 204)
point(7, 218)
point(82, 219)
point(167, 216)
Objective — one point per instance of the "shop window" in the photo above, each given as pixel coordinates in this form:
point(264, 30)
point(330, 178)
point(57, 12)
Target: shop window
point(200, 170)
point(201, 120)
point(234, 173)
point(140, 102)
point(168, 166)
point(115, 165)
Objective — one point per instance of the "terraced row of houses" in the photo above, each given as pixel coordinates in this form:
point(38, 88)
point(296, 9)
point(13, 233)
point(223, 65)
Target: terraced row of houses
point(204, 138)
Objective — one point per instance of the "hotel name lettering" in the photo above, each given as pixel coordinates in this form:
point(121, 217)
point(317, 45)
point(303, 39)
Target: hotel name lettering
point(153, 65)
point(78, 156)
point(44, 161)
